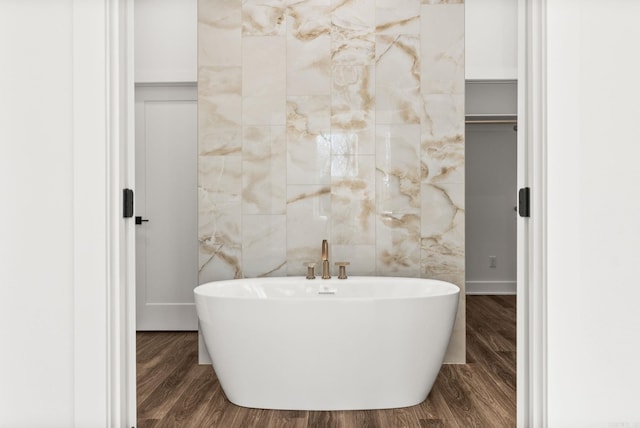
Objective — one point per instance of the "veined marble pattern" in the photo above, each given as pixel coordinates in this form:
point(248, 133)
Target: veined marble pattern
point(353, 200)
point(442, 1)
point(353, 110)
point(308, 49)
point(264, 170)
point(398, 244)
point(362, 258)
point(352, 98)
point(264, 245)
point(263, 80)
point(308, 140)
point(398, 168)
point(353, 32)
point(332, 119)
point(398, 79)
point(219, 236)
point(308, 222)
point(442, 49)
point(219, 111)
point(263, 18)
point(398, 16)
point(220, 21)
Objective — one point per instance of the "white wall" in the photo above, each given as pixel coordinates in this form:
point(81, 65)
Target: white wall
point(491, 38)
point(491, 194)
point(593, 287)
point(53, 222)
point(166, 41)
point(490, 188)
point(36, 227)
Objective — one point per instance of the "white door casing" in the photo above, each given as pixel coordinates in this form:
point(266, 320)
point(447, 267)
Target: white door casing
point(166, 190)
point(531, 276)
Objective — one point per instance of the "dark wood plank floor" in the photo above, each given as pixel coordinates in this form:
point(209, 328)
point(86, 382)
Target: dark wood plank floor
point(174, 391)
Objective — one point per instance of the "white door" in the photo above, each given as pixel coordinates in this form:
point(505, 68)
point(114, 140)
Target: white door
point(166, 202)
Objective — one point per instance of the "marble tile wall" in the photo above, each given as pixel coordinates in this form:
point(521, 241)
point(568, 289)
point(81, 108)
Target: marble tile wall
point(332, 119)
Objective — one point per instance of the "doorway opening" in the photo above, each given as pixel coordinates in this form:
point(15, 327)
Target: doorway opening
point(498, 260)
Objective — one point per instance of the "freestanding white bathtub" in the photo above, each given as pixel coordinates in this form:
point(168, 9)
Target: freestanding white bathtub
point(297, 344)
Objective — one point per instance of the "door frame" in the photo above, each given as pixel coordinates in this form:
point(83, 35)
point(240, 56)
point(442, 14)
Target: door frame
point(120, 163)
point(531, 297)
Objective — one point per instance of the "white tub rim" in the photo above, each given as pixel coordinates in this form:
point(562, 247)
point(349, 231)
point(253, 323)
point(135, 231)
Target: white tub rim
point(444, 288)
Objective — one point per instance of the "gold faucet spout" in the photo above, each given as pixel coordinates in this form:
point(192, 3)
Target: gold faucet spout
point(325, 260)
point(325, 250)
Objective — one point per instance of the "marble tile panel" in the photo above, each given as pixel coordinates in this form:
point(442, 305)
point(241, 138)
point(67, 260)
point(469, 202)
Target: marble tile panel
point(398, 244)
point(442, 49)
point(362, 259)
point(308, 223)
point(442, 255)
point(308, 49)
point(353, 99)
point(353, 32)
point(352, 141)
point(443, 151)
point(219, 236)
point(398, 97)
point(309, 115)
point(308, 159)
point(219, 141)
point(221, 103)
point(353, 200)
point(443, 160)
point(263, 17)
point(442, 252)
point(398, 16)
point(308, 140)
point(263, 170)
point(219, 110)
point(398, 168)
point(266, 110)
point(221, 177)
point(264, 245)
point(264, 66)
point(442, 1)
point(440, 208)
point(219, 33)
point(443, 116)
point(222, 110)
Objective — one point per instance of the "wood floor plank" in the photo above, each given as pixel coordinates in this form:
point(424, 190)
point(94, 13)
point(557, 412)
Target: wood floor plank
point(287, 419)
point(432, 423)
point(174, 391)
point(435, 408)
point(210, 415)
point(457, 399)
point(148, 423)
point(195, 396)
point(162, 398)
point(492, 405)
point(153, 370)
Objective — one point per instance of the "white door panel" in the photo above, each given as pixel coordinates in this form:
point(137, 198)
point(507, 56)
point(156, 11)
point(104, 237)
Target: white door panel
point(166, 189)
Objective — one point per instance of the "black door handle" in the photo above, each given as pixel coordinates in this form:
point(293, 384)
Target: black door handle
point(139, 220)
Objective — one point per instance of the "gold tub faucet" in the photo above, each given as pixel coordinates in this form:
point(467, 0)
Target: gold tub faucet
point(325, 260)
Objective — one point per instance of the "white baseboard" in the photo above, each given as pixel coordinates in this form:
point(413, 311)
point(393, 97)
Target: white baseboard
point(491, 287)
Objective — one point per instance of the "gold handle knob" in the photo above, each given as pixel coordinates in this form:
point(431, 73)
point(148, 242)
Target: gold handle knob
point(310, 270)
point(342, 269)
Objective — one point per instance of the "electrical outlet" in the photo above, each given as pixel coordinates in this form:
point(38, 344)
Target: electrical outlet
point(493, 260)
